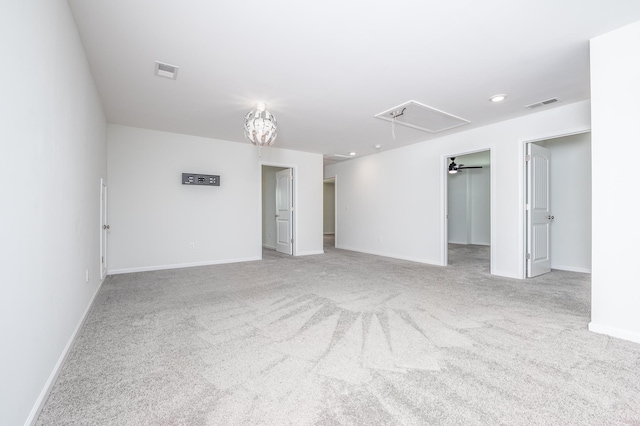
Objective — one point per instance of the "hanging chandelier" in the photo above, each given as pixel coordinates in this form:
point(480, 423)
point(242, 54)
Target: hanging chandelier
point(260, 126)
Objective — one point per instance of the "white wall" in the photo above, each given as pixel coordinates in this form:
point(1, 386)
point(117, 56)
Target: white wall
point(480, 206)
point(329, 207)
point(570, 190)
point(391, 203)
point(457, 206)
point(52, 156)
point(615, 89)
point(154, 218)
point(469, 210)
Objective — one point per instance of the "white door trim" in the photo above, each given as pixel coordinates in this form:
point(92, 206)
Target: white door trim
point(294, 193)
point(444, 232)
point(522, 196)
point(103, 231)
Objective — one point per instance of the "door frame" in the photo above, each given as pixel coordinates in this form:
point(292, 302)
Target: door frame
point(522, 196)
point(335, 207)
point(102, 264)
point(444, 202)
point(294, 195)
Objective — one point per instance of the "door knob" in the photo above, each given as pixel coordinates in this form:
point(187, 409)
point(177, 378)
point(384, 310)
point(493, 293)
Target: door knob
point(551, 217)
point(106, 227)
point(277, 216)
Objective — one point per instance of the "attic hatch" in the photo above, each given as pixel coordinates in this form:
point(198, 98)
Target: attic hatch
point(422, 117)
point(166, 70)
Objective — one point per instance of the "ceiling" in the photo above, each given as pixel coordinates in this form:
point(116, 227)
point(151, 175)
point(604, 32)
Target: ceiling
point(324, 69)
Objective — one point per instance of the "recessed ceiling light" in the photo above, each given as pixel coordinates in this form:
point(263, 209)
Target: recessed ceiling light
point(352, 153)
point(498, 98)
point(377, 146)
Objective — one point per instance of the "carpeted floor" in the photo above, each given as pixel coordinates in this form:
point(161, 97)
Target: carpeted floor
point(345, 338)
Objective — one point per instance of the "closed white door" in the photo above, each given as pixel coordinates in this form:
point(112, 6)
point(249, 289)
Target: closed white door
point(284, 212)
point(104, 228)
point(538, 211)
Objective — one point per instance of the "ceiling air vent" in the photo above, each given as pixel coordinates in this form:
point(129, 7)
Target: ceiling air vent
point(337, 157)
point(542, 103)
point(422, 117)
point(166, 70)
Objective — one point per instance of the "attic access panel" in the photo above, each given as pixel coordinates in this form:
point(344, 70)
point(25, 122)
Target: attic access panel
point(422, 117)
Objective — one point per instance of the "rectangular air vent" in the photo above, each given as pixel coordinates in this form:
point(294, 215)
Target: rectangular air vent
point(542, 103)
point(166, 70)
point(422, 117)
point(336, 157)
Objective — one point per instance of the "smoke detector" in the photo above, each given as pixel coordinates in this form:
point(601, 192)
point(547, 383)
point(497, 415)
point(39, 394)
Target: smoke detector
point(166, 70)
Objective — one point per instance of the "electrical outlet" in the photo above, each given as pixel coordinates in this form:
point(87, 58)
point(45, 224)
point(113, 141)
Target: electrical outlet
point(192, 246)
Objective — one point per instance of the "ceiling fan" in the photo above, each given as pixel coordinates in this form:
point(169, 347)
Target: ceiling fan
point(454, 168)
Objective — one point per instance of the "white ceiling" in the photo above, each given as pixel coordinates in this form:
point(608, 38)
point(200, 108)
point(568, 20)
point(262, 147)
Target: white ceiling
point(324, 69)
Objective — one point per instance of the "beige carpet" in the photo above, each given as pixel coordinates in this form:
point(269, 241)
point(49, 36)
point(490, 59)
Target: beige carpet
point(345, 339)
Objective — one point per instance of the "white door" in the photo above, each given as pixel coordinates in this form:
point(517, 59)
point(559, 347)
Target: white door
point(104, 228)
point(284, 212)
point(538, 210)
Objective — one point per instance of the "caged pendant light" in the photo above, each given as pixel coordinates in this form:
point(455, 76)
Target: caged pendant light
point(260, 126)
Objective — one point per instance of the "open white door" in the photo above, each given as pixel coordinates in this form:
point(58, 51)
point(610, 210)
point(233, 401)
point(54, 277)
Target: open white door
point(104, 227)
point(538, 210)
point(284, 212)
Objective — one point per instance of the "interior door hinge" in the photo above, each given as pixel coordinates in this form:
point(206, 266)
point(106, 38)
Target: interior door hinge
point(527, 158)
point(526, 207)
point(528, 256)
point(292, 241)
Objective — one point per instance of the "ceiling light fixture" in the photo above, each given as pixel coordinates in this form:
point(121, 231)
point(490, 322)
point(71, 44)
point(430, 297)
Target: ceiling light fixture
point(498, 98)
point(260, 126)
point(453, 167)
point(352, 153)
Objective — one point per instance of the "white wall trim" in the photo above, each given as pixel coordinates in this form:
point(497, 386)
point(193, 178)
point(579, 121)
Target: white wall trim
point(571, 269)
point(431, 262)
point(614, 332)
point(309, 253)
point(444, 203)
point(46, 390)
point(181, 265)
point(522, 150)
point(267, 246)
point(294, 193)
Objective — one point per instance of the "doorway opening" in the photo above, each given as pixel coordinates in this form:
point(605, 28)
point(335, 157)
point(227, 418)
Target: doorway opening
point(278, 230)
point(557, 213)
point(329, 213)
point(467, 218)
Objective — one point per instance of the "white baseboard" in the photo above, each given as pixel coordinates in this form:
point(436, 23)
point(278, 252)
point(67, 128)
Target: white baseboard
point(181, 265)
point(393, 256)
point(44, 394)
point(267, 246)
point(571, 269)
point(615, 332)
point(309, 253)
point(329, 233)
